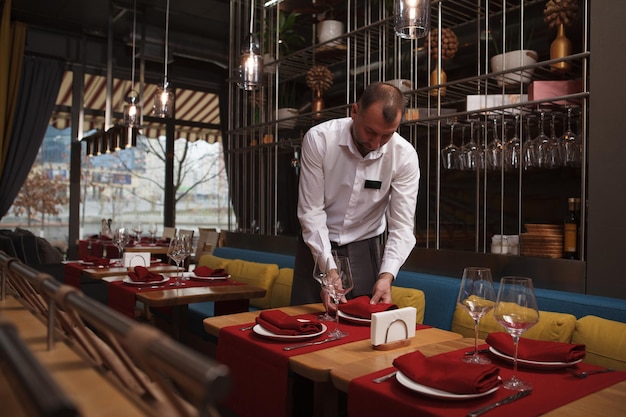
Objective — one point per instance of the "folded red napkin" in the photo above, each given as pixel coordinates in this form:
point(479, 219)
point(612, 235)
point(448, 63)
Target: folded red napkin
point(453, 376)
point(142, 274)
point(360, 307)
point(205, 271)
point(97, 260)
point(281, 323)
point(536, 350)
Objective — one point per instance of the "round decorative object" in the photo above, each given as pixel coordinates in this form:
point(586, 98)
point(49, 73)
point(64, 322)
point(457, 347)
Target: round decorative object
point(319, 78)
point(560, 12)
point(449, 43)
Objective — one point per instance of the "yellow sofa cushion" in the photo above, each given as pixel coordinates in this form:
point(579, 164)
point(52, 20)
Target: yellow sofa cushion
point(281, 291)
point(213, 262)
point(556, 327)
point(410, 297)
point(604, 340)
point(257, 274)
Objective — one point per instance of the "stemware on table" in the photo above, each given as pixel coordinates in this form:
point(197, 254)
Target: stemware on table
point(121, 238)
point(516, 310)
point(179, 249)
point(477, 296)
point(338, 285)
point(152, 229)
point(320, 272)
point(138, 229)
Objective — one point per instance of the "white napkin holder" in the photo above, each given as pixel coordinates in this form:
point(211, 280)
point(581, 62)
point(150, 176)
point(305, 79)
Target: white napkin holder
point(393, 328)
point(133, 259)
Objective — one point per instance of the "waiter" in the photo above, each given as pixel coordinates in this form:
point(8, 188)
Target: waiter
point(359, 179)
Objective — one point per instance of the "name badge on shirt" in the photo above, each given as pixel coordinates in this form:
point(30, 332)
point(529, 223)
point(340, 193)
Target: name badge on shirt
point(373, 184)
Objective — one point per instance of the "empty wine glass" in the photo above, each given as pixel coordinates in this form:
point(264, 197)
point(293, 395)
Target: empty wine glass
point(570, 143)
point(512, 147)
point(450, 154)
point(338, 285)
point(152, 229)
point(529, 151)
point(471, 151)
point(320, 272)
point(494, 149)
point(516, 310)
point(121, 238)
point(477, 296)
point(138, 229)
point(543, 145)
point(556, 153)
point(178, 250)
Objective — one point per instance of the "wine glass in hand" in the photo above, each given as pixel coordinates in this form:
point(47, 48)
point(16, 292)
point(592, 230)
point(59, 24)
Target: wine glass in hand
point(516, 311)
point(320, 272)
point(178, 251)
point(338, 285)
point(477, 296)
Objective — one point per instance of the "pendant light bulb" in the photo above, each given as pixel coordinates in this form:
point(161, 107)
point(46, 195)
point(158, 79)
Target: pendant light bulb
point(132, 110)
point(412, 18)
point(251, 64)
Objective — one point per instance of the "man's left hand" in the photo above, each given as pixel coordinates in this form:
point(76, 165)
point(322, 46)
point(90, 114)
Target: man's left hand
point(382, 289)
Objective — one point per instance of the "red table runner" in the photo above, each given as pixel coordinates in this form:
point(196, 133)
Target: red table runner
point(121, 296)
point(260, 367)
point(551, 389)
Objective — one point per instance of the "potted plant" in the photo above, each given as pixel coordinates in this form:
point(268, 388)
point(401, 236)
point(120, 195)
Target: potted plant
point(287, 105)
point(282, 32)
point(328, 27)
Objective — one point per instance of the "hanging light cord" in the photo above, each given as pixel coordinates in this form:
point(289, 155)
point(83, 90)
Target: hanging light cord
point(132, 75)
point(251, 17)
point(167, 26)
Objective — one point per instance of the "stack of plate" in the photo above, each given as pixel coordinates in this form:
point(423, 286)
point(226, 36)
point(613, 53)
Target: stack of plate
point(543, 240)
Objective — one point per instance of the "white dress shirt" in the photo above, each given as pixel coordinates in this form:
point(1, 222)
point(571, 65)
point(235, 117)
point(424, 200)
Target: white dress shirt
point(335, 204)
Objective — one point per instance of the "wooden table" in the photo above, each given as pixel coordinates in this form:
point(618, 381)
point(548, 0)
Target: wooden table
point(93, 394)
point(318, 365)
point(607, 402)
point(154, 250)
point(180, 297)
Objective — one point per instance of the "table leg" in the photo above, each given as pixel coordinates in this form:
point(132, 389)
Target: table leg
point(325, 399)
point(231, 306)
point(180, 320)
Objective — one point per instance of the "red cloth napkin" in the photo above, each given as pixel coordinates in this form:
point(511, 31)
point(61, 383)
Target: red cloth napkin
point(448, 375)
point(360, 307)
point(281, 323)
point(142, 274)
point(205, 271)
point(536, 350)
point(97, 260)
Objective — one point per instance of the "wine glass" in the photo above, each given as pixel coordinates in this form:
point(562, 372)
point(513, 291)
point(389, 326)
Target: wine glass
point(477, 296)
point(494, 149)
point(338, 285)
point(529, 151)
point(471, 151)
point(570, 143)
point(138, 229)
point(450, 154)
point(152, 229)
point(512, 148)
point(543, 145)
point(178, 251)
point(320, 272)
point(121, 238)
point(516, 310)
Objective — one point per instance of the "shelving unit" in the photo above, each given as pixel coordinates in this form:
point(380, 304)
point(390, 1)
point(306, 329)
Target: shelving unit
point(458, 209)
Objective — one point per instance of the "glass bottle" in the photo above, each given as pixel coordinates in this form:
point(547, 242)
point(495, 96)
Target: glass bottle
point(570, 231)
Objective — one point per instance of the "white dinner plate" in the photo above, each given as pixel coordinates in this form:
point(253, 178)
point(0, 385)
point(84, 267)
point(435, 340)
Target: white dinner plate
point(129, 281)
point(191, 275)
point(437, 393)
point(533, 364)
point(263, 332)
point(353, 319)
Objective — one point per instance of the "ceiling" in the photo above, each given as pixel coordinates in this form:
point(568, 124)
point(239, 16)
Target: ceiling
point(198, 33)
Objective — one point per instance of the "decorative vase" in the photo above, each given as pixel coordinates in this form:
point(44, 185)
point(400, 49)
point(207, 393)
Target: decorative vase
point(438, 76)
point(289, 114)
point(514, 59)
point(560, 48)
point(317, 104)
point(329, 29)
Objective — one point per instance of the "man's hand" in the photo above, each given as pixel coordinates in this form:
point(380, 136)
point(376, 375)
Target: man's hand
point(381, 293)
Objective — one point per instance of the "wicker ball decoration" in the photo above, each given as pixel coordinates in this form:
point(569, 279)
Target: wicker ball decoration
point(449, 43)
point(319, 78)
point(560, 12)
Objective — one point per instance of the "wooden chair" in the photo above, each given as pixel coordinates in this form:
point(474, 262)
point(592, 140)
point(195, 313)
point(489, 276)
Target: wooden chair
point(207, 241)
point(168, 232)
point(36, 390)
